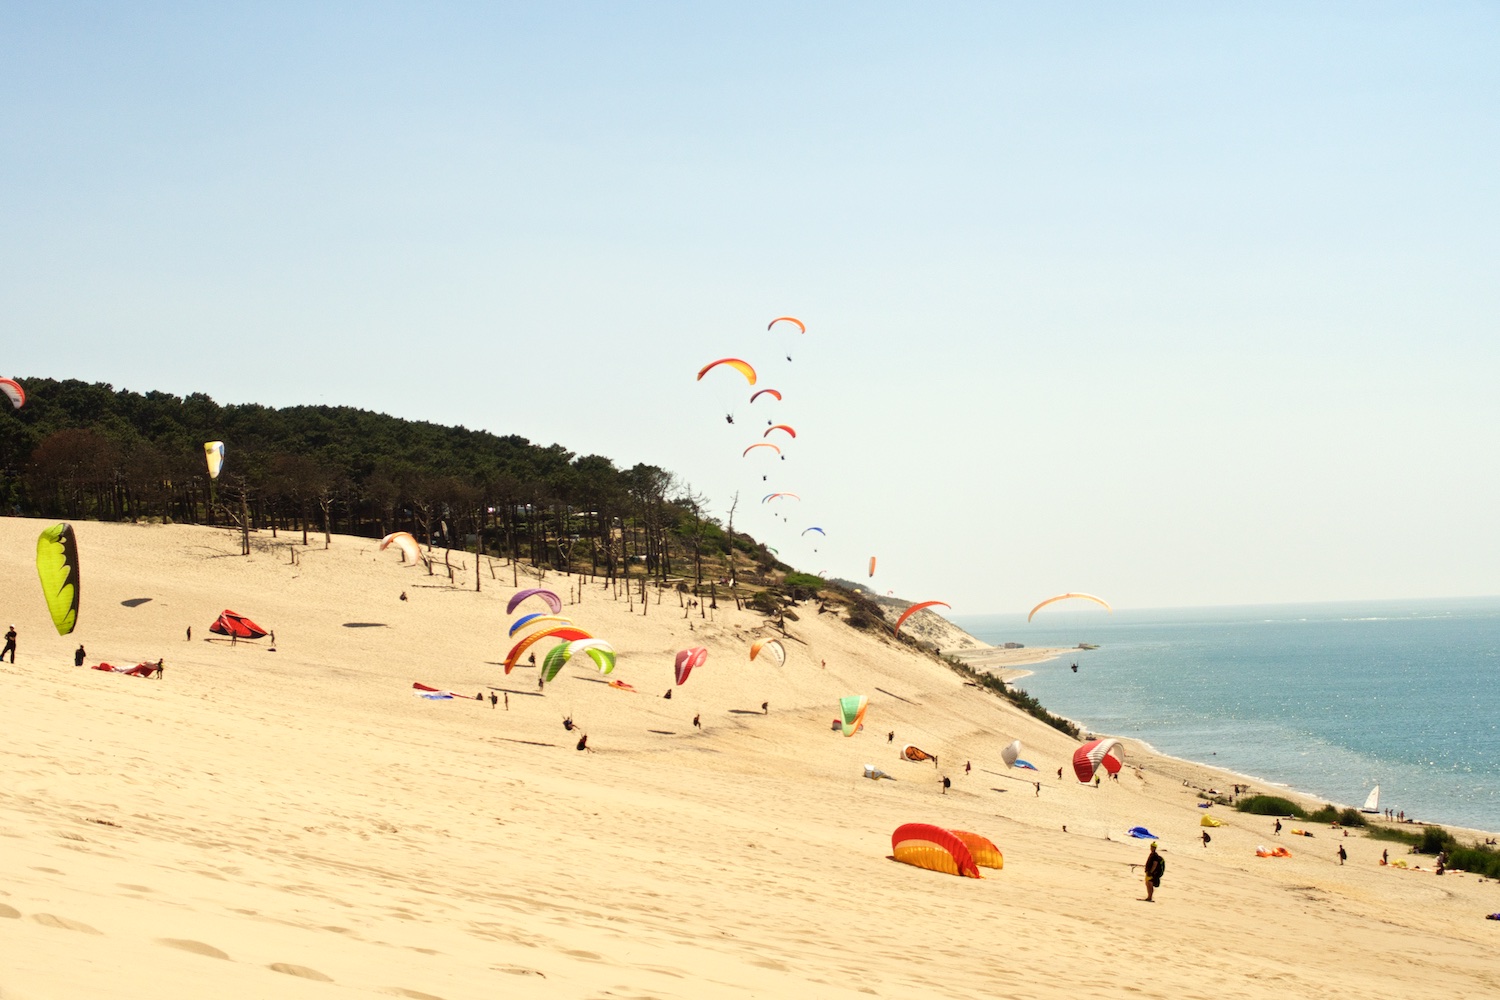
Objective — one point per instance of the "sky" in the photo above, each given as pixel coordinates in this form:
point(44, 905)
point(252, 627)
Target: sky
point(1178, 304)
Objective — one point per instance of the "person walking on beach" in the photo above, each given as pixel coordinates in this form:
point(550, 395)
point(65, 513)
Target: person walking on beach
point(1156, 866)
point(967, 767)
point(1277, 829)
point(1038, 788)
point(1059, 774)
point(1206, 838)
point(698, 721)
point(78, 655)
point(159, 668)
point(507, 701)
point(890, 736)
point(1342, 854)
point(494, 699)
point(946, 784)
point(10, 645)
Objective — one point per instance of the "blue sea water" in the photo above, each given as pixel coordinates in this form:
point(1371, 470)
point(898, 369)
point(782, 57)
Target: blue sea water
point(1330, 699)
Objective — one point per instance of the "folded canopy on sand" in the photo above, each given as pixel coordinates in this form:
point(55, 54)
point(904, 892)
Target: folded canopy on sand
point(1141, 833)
point(1210, 821)
point(933, 848)
point(236, 626)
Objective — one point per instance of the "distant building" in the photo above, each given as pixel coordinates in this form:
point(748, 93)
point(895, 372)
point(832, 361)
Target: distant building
point(1014, 645)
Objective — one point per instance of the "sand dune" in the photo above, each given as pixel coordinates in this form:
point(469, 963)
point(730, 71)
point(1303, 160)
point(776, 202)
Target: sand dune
point(298, 824)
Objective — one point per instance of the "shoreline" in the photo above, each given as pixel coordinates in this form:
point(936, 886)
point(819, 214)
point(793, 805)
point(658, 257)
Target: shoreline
point(1008, 665)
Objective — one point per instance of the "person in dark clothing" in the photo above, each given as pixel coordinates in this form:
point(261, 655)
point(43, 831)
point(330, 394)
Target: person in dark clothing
point(1156, 866)
point(698, 722)
point(765, 708)
point(1206, 838)
point(78, 655)
point(10, 645)
point(946, 784)
point(159, 668)
point(583, 742)
point(494, 699)
point(190, 633)
point(668, 695)
point(1343, 855)
point(568, 723)
point(890, 736)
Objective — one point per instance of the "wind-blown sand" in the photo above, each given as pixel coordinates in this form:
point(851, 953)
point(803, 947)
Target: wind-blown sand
point(297, 824)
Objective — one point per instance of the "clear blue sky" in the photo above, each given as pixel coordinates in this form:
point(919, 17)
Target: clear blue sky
point(1174, 303)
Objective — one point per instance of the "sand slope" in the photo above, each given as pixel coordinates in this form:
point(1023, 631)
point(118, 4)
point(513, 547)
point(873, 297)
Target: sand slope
point(298, 824)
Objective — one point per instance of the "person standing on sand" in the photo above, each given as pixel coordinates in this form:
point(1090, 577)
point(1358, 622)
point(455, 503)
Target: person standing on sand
point(494, 699)
point(10, 645)
point(968, 767)
point(507, 701)
point(159, 668)
point(190, 633)
point(946, 784)
point(1343, 856)
point(78, 655)
point(890, 737)
point(1156, 866)
point(765, 708)
point(1038, 788)
point(1277, 829)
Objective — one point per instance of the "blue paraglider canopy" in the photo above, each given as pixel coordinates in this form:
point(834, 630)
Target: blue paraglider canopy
point(1141, 833)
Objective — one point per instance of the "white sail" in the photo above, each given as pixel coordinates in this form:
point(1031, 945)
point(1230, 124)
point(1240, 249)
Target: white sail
point(1372, 804)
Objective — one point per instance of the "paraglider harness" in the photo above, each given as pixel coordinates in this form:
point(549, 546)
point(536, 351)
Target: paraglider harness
point(1156, 867)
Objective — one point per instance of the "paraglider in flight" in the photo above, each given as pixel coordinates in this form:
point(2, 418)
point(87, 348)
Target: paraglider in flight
point(779, 427)
point(213, 452)
point(601, 652)
point(687, 660)
point(740, 366)
point(872, 565)
point(57, 568)
point(537, 621)
point(772, 648)
point(1064, 597)
point(17, 395)
point(818, 530)
point(914, 609)
point(552, 600)
point(776, 496)
point(410, 551)
point(760, 444)
point(1110, 753)
point(801, 326)
point(763, 392)
point(563, 634)
point(933, 848)
point(910, 752)
point(852, 708)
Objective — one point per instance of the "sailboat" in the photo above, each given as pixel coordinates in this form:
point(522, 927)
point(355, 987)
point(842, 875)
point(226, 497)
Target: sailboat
point(1372, 804)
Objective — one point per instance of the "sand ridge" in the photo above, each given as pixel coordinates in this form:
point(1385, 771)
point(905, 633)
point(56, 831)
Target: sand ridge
point(298, 824)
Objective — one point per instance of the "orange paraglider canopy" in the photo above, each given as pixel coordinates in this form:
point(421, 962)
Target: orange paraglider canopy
point(934, 848)
point(760, 444)
point(986, 854)
point(743, 367)
point(788, 319)
point(914, 609)
point(1064, 597)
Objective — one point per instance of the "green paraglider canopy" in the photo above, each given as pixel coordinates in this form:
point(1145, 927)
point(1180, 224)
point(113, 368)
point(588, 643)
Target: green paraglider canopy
point(57, 567)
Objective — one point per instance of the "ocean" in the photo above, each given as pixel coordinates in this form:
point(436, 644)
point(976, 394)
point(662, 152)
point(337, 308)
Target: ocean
point(1329, 699)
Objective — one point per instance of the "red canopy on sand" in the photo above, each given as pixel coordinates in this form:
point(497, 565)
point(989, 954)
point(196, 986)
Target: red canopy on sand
point(236, 625)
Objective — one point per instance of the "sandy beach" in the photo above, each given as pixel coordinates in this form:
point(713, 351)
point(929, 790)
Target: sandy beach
point(297, 824)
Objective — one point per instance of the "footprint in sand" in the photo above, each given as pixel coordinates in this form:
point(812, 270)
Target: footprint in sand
point(10, 912)
point(62, 923)
point(301, 971)
point(196, 947)
point(412, 994)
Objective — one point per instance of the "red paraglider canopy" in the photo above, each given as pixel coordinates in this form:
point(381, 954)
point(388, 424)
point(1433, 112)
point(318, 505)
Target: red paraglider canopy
point(235, 625)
